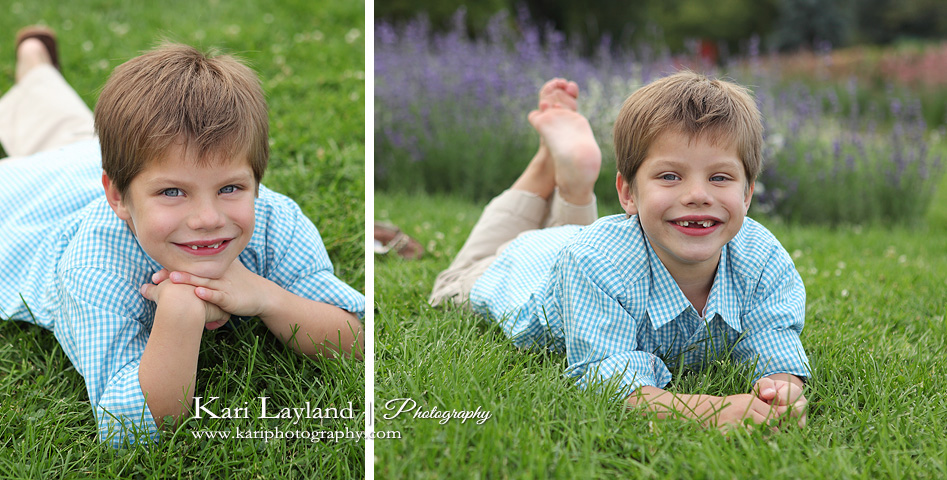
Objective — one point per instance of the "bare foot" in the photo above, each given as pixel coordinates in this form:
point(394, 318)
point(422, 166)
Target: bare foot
point(559, 92)
point(542, 175)
point(539, 177)
point(571, 143)
point(30, 54)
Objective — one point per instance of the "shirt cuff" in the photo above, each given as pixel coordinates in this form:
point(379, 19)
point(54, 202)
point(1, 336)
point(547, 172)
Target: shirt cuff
point(122, 414)
point(626, 371)
point(785, 355)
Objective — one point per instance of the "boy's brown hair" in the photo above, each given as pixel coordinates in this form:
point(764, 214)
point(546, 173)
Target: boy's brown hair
point(176, 93)
point(696, 106)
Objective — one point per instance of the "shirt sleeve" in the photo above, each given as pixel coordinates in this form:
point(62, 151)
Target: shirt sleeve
point(774, 321)
point(100, 332)
point(299, 263)
point(600, 334)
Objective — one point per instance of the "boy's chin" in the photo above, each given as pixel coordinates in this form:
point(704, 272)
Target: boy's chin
point(210, 270)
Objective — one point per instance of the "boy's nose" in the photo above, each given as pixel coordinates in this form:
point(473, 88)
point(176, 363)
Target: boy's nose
point(205, 216)
point(697, 193)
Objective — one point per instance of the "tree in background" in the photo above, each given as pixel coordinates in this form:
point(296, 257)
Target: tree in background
point(885, 21)
point(441, 12)
point(807, 24)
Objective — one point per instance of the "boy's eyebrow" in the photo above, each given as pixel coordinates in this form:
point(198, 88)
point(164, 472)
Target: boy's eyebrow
point(673, 163)
point(238, 177)
point(234, 178)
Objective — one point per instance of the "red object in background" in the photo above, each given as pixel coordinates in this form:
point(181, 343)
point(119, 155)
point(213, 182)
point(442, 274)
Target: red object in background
point(708, 51)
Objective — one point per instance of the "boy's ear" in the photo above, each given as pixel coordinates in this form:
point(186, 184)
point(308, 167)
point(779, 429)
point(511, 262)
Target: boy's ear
point(626, 195)
point(749, 198)
point(114, 197)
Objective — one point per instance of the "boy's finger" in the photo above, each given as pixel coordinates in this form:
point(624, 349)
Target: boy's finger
point(184, 277)
point(761, 409)
point(211, 296)
point(765, 389)
point(215, 325)
point(790, 394)
point(801, 406)
point(147, 291)
point(160, 276)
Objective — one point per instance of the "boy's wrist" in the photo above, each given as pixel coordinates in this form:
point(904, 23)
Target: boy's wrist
point(179, 303)
point(271, 297)
point(665, 403)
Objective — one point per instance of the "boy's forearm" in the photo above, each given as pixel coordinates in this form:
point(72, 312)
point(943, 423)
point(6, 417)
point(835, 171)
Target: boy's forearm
point(314, 328)
point(168, 369)
point(667, 404)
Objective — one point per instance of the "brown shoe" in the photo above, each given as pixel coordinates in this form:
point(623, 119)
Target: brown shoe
point(389, 238)
point(43, 34)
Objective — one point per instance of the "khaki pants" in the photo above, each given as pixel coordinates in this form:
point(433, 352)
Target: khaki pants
point(504, 218)
point(42, 112)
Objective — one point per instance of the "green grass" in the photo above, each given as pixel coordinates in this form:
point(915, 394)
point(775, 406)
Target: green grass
point(310, 57)
point(875, 334)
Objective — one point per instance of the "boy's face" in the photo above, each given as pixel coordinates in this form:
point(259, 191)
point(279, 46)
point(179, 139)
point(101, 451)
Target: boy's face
point(691, 198)
point(189, 217)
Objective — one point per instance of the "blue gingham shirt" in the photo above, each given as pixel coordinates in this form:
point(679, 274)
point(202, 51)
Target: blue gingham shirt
point(602, 294)
point(70, 265)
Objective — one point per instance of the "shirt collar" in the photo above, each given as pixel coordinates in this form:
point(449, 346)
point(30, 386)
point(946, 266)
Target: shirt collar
point(724, 298)
point(666, 301)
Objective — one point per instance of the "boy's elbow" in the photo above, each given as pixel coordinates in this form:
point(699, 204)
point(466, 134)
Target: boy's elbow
point(330, 350)
point(124, 433)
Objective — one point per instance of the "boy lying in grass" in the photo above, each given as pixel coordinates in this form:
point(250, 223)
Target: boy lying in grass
point(681, 275)
point(181, 238)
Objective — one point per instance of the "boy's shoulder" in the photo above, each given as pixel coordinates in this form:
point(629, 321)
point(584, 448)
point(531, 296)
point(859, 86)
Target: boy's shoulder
point(615, 239)
point(613, 232)
point(756, 255)
point(754, 244)
point(278, 220)
point(96, 240)
point(276, 207)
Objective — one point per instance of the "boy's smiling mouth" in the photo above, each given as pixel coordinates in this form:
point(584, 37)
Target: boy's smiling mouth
point(696, 226)
point(701, 223)
point(204, 247)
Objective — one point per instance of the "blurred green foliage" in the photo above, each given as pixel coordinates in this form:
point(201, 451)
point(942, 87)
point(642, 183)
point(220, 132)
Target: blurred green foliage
point(782, 24)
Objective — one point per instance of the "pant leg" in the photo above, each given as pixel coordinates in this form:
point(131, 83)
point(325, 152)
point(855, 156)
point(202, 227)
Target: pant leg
point(504, 218)
point(42, 112)
point(562, 212)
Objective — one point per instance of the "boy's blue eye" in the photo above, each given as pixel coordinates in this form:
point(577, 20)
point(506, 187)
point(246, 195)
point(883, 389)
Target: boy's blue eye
point(229, 189)
point(669, 177)
point(718, 178)
point(171, 192)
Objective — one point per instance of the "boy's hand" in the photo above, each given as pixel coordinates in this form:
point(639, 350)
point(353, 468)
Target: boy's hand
point(783, 393)
point(162, 290)
point(736, 409)
point(723, 413)
point(238, 292)
point(310, 327)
